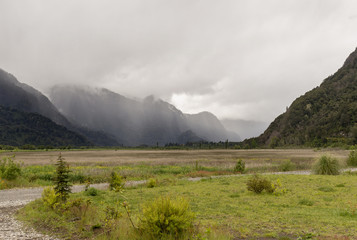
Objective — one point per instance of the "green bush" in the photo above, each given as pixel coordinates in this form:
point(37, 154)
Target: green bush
point(151, 183)
point(258, 184)
point(116, 182)
point(77, 177)
point(352, 159)
point(92, 191)
point(9, 170)
point(49, 197)
point(327, 165)
point(278, 188)
point(165, 217)
point(240, 166)
point(287, 165)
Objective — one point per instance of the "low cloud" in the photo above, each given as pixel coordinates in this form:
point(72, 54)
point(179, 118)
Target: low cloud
point(244, 59)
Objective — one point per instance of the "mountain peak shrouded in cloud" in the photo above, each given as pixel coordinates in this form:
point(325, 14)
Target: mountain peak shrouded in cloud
point(238, 59)
point(245, 128)
point(105, 117)
point(135, 122)
point(21, 96)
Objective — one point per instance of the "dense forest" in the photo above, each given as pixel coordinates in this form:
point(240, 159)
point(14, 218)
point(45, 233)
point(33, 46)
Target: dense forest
point(19, 128)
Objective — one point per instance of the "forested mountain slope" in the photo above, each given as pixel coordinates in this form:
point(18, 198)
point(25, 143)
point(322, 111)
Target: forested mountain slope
point(18, 128)
point(20, 96)
point(326, 113)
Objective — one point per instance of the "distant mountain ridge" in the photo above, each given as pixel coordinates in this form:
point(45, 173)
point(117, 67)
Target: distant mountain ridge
point(24, 98)
point(106, 118)
point(133, 122)
point(245, 128)
point(328, 111)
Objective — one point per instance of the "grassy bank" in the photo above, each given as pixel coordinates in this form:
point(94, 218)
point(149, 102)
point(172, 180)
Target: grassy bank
point(322, 207)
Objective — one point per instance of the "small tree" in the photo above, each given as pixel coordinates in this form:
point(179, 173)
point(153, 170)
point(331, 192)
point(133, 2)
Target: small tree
point(240, 166)
point(116, 182)
point(62, 184)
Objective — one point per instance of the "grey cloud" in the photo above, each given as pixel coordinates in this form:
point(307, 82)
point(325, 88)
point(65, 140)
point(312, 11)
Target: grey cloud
point(237, 58)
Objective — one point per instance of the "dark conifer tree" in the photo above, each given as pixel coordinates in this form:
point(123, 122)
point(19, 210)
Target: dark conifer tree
point(62, 184)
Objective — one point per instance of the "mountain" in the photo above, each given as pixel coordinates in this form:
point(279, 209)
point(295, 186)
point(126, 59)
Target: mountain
point(25, 98)
point(134, 122)
point(326, 113)
point(207, 126)
point(20, 96)
point(18, 128)
point(189, 137)
point(246, 129)
point(106, 118)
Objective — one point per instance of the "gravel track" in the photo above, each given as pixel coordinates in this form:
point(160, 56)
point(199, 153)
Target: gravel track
point(13, 199)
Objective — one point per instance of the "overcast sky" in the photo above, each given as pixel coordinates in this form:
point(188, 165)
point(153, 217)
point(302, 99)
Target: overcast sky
point(242, 59)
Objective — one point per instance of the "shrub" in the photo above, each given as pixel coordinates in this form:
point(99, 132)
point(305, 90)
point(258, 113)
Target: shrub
point(92, 191)
point(198, 167)
point(257, 184)
point(327, 165)
point(278, 188)
point(167, 217)
point(240, 166)
point(49, 197)
point(62, 184)
point(9, 170)
point(77, 177)
point(74, 208)
point(352, 159)
point(151, 183)
point(287, 166)
point(116, 182)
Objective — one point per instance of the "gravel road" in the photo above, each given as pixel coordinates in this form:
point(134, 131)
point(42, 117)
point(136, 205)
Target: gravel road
point(13, 199)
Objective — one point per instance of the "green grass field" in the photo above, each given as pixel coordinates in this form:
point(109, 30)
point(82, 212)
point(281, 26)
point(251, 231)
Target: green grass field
point(314, 207)
point(308, 206)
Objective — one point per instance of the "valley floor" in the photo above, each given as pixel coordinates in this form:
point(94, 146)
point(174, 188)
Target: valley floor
point(322, 207)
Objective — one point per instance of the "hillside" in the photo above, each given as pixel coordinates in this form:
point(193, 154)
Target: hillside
point(15, 94)
point(25, 98)
point(326, 114)
point(18, 128)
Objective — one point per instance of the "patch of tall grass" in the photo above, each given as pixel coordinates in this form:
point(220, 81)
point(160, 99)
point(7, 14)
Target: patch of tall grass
point(327, 165)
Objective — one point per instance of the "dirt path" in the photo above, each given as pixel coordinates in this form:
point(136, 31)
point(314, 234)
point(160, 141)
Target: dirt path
point(13, 199)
